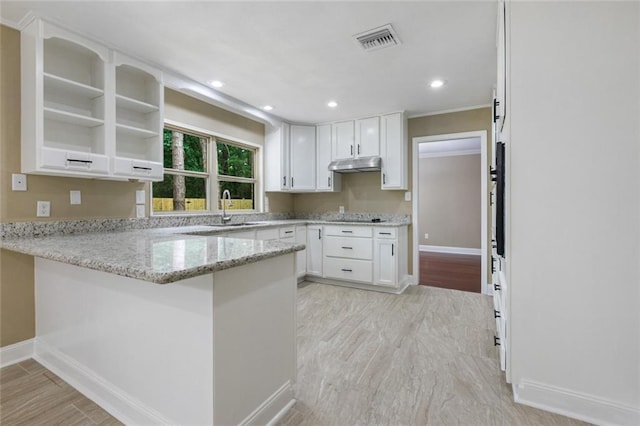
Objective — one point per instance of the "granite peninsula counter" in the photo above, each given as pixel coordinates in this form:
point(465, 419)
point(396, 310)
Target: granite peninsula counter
point(215, 345)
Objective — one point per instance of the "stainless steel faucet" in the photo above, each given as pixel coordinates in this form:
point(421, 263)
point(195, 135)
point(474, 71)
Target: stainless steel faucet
point(226, 194)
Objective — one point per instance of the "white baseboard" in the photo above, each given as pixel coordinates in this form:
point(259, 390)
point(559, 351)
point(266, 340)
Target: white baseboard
point(453, 250)
point(572, 404)
point(15, 353)
point(273, 408)
point(111, 398)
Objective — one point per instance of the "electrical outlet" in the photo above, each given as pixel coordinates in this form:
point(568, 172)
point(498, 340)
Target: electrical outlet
point(140, 211)
point(43, 209)
point(426, 236)
point(341, 209)
point(18, 182)
point(140, 196)
point(75, 197)
point(407, 196)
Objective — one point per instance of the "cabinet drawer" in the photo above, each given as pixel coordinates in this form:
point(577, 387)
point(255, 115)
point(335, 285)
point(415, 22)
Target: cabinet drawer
point(386, 233)
point(267, 234)
point(348, 269)
point(348, 231)
point(353, 248)
point(83, 162)
point(147, 170)
point(288, 231)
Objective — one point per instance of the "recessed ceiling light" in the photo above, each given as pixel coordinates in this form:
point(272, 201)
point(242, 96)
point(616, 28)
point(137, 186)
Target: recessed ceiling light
point(267, 107)
point(436, 83)
point(216, 83)
point(332, 104)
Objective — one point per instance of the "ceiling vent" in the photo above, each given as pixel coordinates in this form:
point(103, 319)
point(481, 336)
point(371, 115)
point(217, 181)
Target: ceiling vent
point(378, 38)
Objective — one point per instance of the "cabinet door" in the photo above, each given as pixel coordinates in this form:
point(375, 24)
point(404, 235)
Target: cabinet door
point(314, 250)
point(301, 256)
point(385, 263)
point(343, 136)
point(325, 180)
point(394, 152)
point(367, 137)
point(303, 158)
point(276, 161)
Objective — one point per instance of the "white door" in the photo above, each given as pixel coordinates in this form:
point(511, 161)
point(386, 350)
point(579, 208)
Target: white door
point(303, 158)
point(314, 250)
point(385, 263)
point(343, 136)
point(367, 137)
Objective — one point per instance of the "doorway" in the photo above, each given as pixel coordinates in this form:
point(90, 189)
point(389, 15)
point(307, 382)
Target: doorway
point(450, 211)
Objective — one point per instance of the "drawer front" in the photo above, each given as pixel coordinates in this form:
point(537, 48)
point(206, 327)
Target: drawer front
point(348, 231)
point(386, 233)
point(288, 231)
point(82, 162)
point(352, 248)
point(146, 170)
point(267, 234)
point(349, 269)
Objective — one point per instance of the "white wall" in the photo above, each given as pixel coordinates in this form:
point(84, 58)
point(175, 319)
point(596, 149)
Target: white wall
point(575, 203)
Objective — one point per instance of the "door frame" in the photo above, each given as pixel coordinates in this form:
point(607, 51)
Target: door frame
point(484, 169)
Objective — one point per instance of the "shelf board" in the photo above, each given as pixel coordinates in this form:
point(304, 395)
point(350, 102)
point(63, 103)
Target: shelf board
point(61, 83)
point(69, 117)
point(134, 104)
point(135, 131)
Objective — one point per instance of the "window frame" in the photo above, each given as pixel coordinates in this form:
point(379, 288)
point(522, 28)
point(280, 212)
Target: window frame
point(212, 181)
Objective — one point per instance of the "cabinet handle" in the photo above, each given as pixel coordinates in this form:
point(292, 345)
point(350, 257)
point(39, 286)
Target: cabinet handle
point(347, 248)
point(288, 232)
point(347, 270)
point(329, 181)
point(351, 147)
point(491, 198)
point(493, 266)
point(384, 178)
point(85, 162)
point(358, 149)
point(292, 181)
point(392, 254)
point(497, 287)
point(348, 232)
point(496, 116)
point(284, 181)
point(319, 234)
point(496, 314)
point(384, 233)
point(496, 341)
point(142, 168)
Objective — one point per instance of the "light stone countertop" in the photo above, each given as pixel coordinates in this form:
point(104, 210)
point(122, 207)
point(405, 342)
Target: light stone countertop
point(164, 255)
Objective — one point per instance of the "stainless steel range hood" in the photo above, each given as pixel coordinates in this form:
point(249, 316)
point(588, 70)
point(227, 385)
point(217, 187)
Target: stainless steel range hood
point(353, 165)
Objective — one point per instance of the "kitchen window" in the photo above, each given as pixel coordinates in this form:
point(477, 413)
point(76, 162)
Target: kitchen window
point(193, 172)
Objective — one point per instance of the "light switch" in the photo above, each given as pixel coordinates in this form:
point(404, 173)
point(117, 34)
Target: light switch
point(139, 211)
point(341, 209)
point(18, 182)
point(140, 198)
point(407, 196)
point(75, 197)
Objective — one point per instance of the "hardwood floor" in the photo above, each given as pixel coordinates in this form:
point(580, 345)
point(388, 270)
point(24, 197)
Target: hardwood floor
point(452, 271)
point(32, 395)
point(421, 358)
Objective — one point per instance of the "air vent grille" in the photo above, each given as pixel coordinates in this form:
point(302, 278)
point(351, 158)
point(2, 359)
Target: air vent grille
point(378, 38)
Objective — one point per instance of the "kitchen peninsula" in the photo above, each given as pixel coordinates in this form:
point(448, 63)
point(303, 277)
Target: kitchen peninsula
point(158, 326)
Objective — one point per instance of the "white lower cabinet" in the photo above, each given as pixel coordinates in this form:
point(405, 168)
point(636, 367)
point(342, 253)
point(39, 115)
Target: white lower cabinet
point(301, 256)
point(314, 250)
point(388, 268)
point(348, 269)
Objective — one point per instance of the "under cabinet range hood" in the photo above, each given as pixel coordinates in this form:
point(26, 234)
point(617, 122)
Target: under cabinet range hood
point(353, 165)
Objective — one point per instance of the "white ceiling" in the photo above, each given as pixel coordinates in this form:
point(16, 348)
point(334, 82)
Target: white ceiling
point(298, 55)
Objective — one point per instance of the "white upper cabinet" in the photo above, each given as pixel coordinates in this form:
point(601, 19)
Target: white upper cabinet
point(139, 105)
point(303, 158)
point(326, 181)
point(343, 140)
point(69, 108)
point(394, 151)
point(367, 137)
point(276, 159)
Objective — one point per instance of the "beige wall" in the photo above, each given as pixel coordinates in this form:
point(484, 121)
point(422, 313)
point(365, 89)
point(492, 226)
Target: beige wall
point(449, 208)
